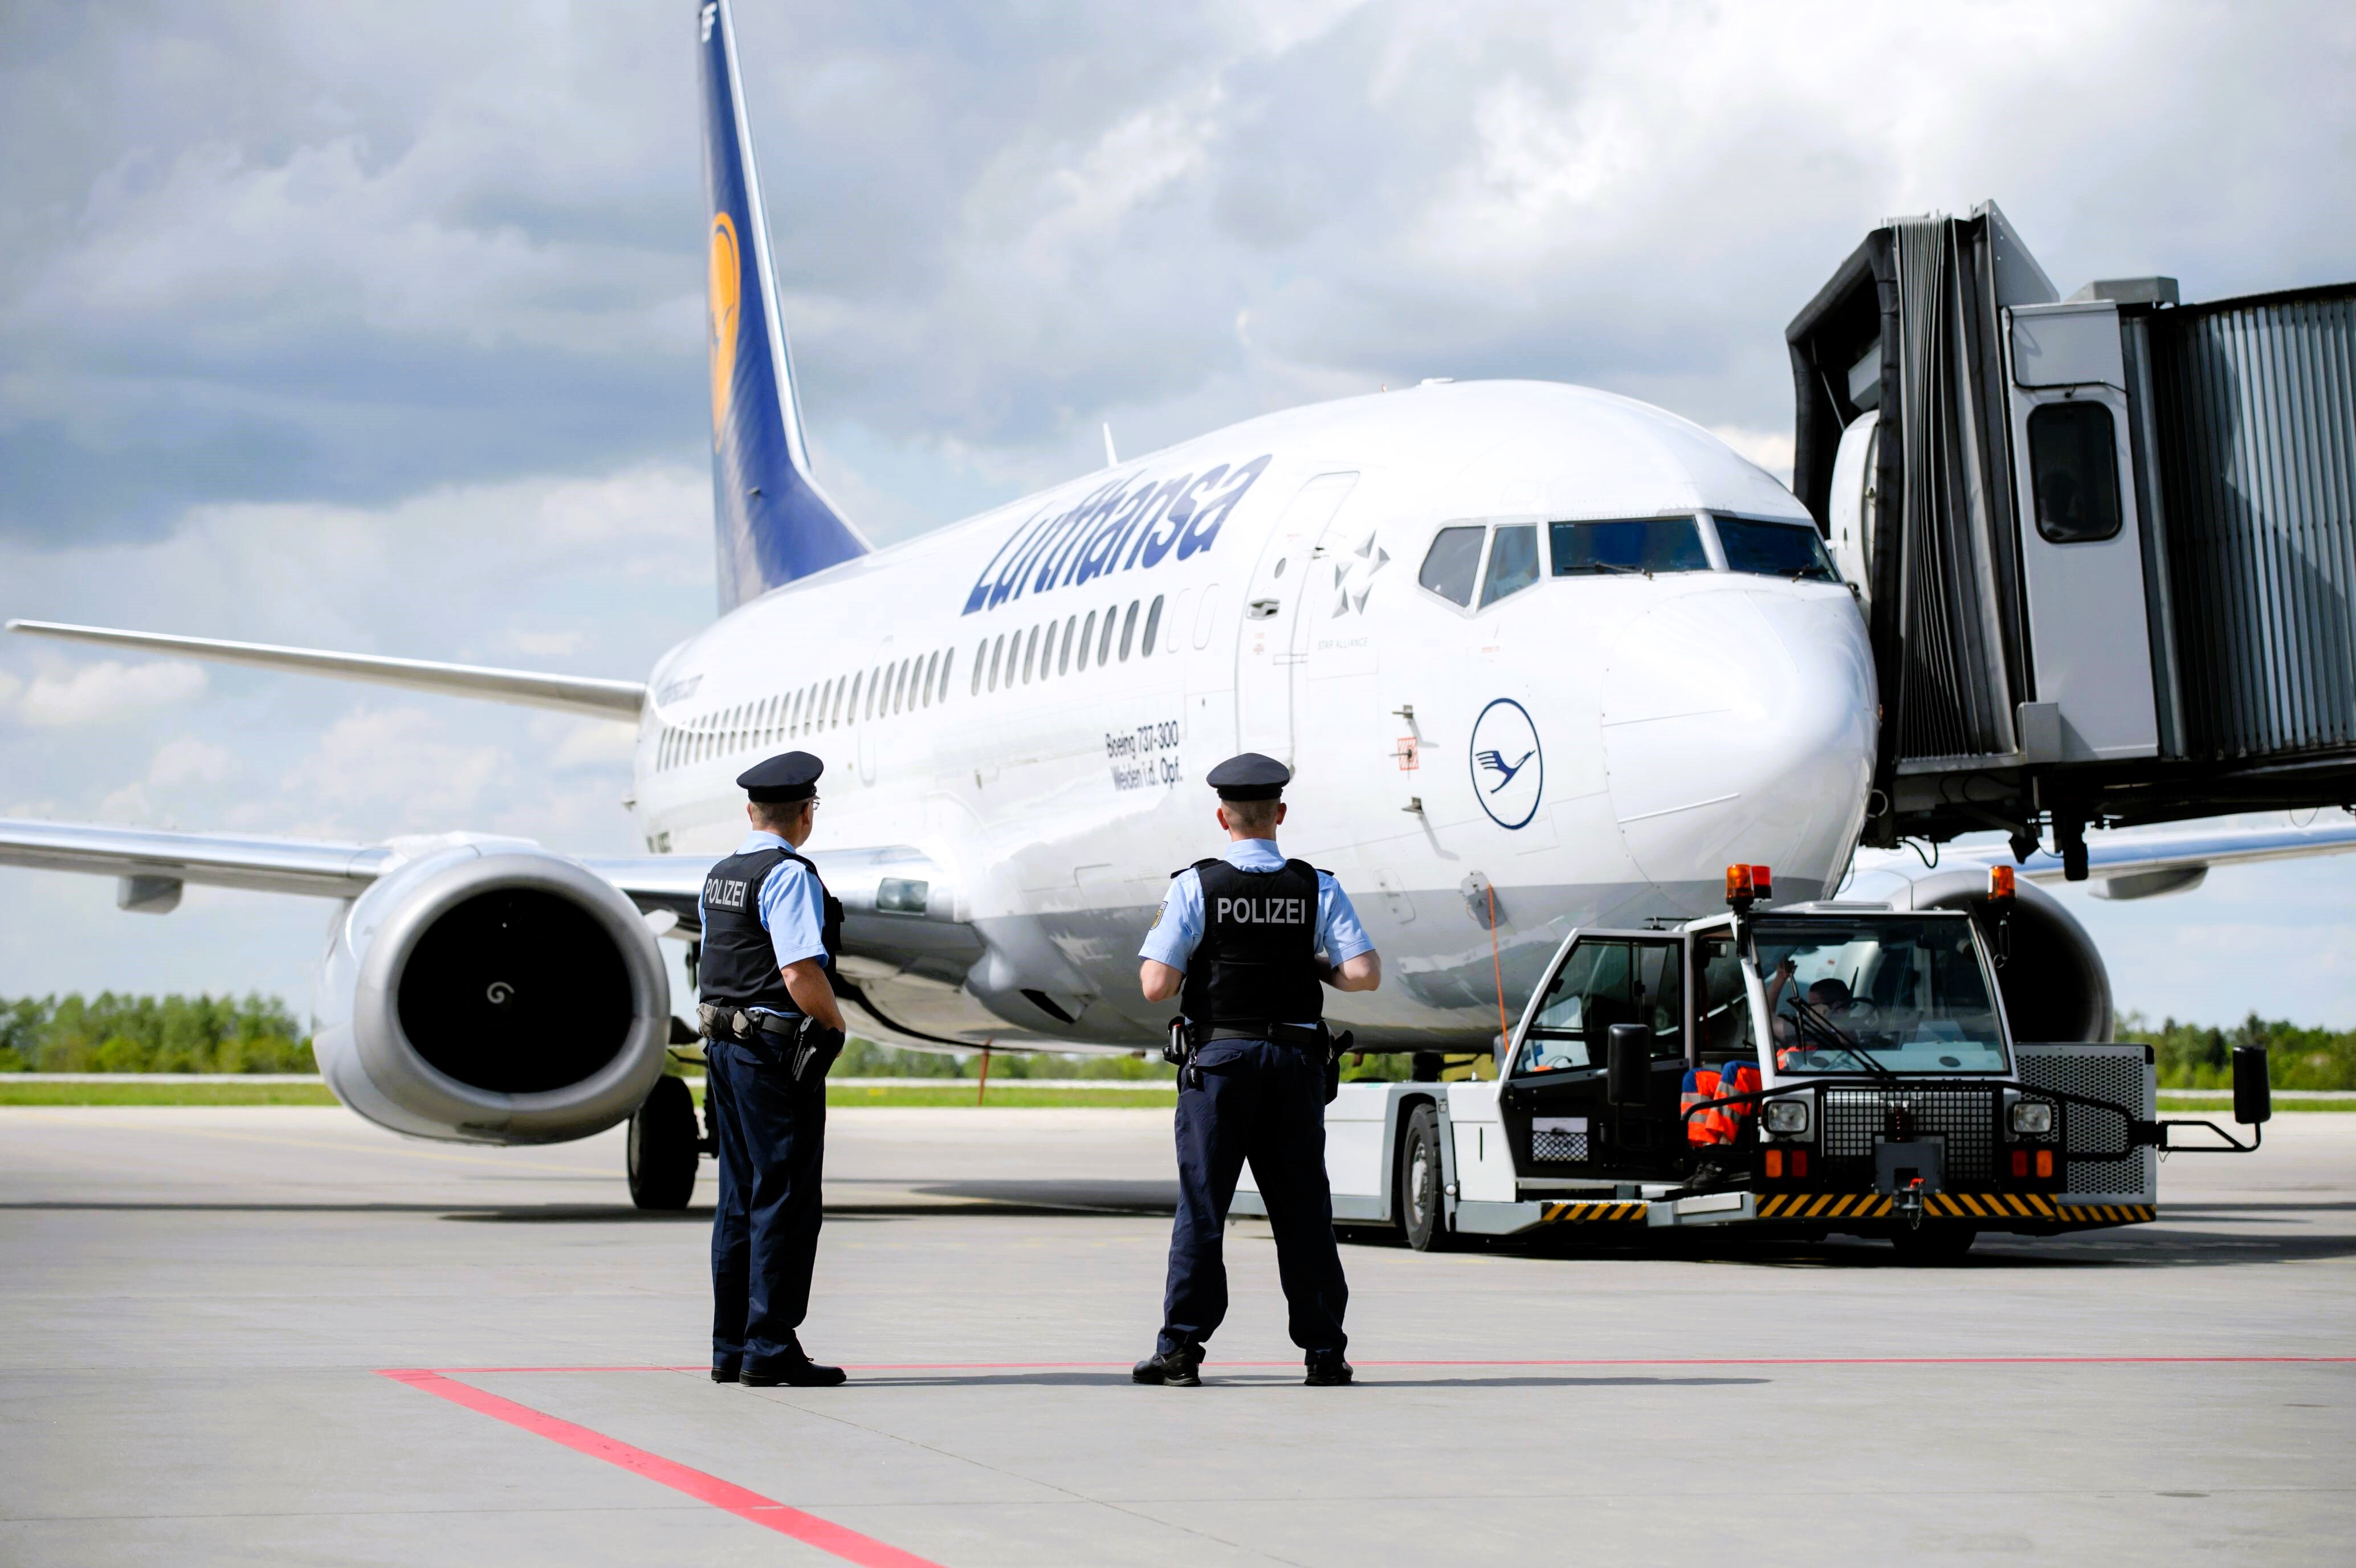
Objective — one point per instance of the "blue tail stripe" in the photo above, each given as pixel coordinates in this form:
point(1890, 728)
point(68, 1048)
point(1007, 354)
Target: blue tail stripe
point(774, 524)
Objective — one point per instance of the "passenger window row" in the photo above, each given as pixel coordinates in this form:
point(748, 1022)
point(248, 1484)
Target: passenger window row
point(1635, 547)
point(1052, 648)
point(902, 687)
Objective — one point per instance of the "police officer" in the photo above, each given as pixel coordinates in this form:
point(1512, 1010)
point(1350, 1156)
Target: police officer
point(771, 931)
point(1245, 941)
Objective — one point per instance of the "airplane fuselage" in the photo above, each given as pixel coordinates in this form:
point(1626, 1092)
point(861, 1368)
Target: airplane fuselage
point(1030, 699)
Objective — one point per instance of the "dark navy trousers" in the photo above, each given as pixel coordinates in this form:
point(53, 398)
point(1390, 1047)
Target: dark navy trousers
point(1265, 1103)
point(771, 1135)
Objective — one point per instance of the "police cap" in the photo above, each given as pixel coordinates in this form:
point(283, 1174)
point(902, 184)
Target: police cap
point(786, 777)
point(1249, 777)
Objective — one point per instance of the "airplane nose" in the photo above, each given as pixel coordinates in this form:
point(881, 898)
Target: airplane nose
point(1739, 725)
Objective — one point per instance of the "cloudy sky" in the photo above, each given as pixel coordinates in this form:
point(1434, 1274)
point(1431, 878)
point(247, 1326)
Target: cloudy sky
point(380, 327)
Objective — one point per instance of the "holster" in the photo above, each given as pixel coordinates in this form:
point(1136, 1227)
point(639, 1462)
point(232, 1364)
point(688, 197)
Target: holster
point(1336, 1044)
point(1178, 1050)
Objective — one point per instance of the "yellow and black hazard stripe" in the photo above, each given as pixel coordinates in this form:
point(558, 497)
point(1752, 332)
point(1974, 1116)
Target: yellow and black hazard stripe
point(2107, 1213)
point(1951, 1206)
point(1594, 1213)
point(1988, 1206)
point(1824, 1205)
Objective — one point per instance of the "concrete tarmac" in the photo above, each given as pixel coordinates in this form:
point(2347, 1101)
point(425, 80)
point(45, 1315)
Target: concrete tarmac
point(198, 1305)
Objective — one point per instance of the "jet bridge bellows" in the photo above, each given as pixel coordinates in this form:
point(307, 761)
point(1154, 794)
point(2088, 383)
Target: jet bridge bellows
point(2107, 545)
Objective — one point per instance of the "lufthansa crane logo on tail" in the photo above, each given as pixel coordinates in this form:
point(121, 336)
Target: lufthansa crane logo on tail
point(1508, 766)
point(725, 296)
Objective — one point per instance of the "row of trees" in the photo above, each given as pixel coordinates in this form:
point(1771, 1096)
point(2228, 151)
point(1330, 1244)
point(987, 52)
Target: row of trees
point(108, 1033)
point(111, 1033)
point(2193, 1056)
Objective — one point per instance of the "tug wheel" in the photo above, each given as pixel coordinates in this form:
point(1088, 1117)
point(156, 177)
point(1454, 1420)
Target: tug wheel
point(1932, 1244)
point(1422, 1206)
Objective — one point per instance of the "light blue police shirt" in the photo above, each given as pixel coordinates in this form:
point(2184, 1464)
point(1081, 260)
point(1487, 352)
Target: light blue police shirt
point(1178, 930)
point(793, 907)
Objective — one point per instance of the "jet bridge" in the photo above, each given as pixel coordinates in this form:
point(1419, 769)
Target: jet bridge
point(2107, 545)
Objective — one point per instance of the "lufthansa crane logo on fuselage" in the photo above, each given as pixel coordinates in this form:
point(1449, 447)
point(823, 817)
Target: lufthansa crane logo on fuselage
point(1508, 765)
point(723, 302)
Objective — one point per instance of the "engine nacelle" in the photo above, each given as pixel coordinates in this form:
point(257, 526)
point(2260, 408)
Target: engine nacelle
point(2056, 987)
point(492, 992)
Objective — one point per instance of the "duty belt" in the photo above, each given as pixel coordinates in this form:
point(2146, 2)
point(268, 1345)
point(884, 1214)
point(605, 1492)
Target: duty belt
point(1311, 1038)
point(738, 1022)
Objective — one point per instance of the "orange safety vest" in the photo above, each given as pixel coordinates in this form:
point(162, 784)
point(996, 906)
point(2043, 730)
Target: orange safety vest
point(1711, 1126)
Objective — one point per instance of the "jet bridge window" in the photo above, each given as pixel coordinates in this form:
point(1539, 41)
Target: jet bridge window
point(1638, 545)
point(2073, 461)
point(1452, 563)
point(1513, 562)
point(1775, 549)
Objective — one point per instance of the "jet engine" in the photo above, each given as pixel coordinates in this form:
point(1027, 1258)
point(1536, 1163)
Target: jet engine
point(2056, 989)
point(489, 991)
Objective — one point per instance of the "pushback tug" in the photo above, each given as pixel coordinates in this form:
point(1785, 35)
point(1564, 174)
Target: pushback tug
point(1818, 1068)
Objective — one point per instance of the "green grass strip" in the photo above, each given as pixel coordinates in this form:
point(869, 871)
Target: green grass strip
point(230, 1093)
point(2182, 1100)
point(1015, 1093)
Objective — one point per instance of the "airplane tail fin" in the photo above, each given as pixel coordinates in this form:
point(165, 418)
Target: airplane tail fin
point(774, 523)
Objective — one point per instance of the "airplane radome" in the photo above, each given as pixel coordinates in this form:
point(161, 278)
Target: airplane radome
point(1540, 656)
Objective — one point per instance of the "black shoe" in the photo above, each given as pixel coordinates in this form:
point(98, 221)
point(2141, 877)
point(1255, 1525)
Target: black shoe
point(1171, 1368)
point(793, 1369)
point(802, 1373)
point(1328, 1374)
point(725, 1375)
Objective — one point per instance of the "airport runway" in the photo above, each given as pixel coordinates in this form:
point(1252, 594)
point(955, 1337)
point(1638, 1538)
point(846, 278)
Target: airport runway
point(200, 1306)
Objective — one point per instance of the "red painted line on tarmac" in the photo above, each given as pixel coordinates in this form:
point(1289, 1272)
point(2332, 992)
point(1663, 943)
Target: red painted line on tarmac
point(767, 1512)
point(1530, 1361)
point(1677, 1361)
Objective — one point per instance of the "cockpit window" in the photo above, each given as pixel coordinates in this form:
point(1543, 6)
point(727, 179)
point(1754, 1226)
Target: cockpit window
point(1449, 565)
point(1646, 545)
point(1775, 549)
point(1513, 562)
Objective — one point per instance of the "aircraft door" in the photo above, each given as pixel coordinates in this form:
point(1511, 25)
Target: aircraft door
point(1271, 639)
point(1851, 507)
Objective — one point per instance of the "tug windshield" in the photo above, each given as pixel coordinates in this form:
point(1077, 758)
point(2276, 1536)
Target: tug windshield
point(1908, 990)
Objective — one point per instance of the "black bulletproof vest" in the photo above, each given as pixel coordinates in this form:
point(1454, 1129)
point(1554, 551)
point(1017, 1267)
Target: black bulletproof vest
point(740, 963)
point(1258, 960)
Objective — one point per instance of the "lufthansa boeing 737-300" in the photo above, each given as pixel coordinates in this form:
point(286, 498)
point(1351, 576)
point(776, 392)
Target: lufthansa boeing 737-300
point(1541, 657)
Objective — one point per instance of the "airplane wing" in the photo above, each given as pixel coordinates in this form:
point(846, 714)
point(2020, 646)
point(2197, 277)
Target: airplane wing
point(902, 937)
point(620, 699)
point(894, 881)
point(2138, 865)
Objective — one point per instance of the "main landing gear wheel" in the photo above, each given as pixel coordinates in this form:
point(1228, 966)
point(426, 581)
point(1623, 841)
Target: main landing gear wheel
point(1933, 1243)
point(1423, 1213)
point(662, 1147)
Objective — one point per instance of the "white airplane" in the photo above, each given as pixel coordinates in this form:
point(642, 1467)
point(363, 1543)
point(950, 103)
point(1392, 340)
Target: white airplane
point(1542, 657)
